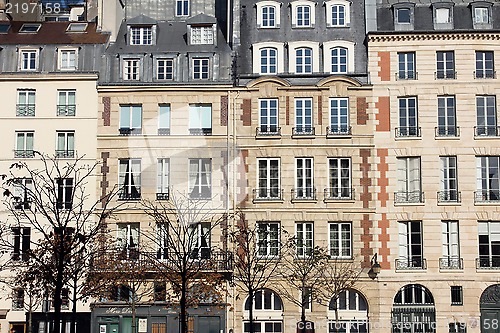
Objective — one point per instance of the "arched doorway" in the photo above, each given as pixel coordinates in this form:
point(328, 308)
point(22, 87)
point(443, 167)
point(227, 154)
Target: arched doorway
point(489, 304)
point(352, 311)
point(267, 312)
point(413, 310)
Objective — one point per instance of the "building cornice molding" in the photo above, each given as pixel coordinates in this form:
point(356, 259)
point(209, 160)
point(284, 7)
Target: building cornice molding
point(15, 76)
point(188, 88)
point(398, 37)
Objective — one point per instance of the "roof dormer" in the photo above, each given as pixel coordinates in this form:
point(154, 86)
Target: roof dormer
point(202, 30)
point(141, 30)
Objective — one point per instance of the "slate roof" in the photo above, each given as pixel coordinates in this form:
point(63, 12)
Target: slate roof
point(201, 19)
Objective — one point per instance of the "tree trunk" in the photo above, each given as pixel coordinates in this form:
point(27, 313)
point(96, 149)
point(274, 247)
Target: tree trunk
point(303, 315)
point(73, 309)
point(250, 311)
point(133, 308)
point(183, 304)
point(30, 315)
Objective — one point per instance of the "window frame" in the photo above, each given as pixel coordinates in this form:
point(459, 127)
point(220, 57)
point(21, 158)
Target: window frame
point(130, 126)
point(203, 72)
point(345, 251)
point(165, 74)
point(182, 8)
point(447, 116)
point(486, 115)
point(24, 151)
point(328, 62)
point(488, 166)
point(272, 189)
point(66, 109)
point(141, 35)
point(407, 66)
point(196, 180)
point(406, 250)
point(199, 114)
point(162, 178)
point(330, 20)
point(202, 35)
point(65, 190)
point(32, 62)
point(339, 115)
point(257, 57)
point(485, 65)
point(304, 115)
point(336, 188)
point(21, 242)
point(68, 148)
point(164, 118)
point(486, 231)
point(61, 53)
point(301, 19)
point(450, 235)
point(261, 5)
point(271, 230)
point(447, 64)
point(304, 235)
point(408, 124)
point(269, 115)
point(129, 180)
point(449, 179)
point(131, 67)
point(304, 178)
point(397, 12)
point(411, 166)
point(131, 232)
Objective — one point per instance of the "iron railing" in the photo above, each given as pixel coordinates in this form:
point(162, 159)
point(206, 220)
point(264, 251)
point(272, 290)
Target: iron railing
point(304, 193)
point(407, 132)
point(303, 130)
point(451, 262)
point(65, 153)
point(449, 196)
point(445, 74)
point(412, 263)
point(268, 194)
point(339, 193)
point(487, 196)
point(24, 153)
point(25, 110)
point(447, 131)
point(485, 74)
point(409, 197)
point(481, 131)
point(341, 130)
point(66, 110)
point(488, 262)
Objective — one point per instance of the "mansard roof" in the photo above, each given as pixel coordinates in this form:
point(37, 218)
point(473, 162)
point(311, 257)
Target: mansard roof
point(141, 20)
point(202, 19)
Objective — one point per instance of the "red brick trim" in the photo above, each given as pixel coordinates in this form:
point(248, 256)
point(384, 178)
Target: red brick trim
point(383, 181)
point(246, 117)
point(365, 180)
point(287, 110)
point(384, 64)
point(383, 107)
point(366, 239)
point(384, 252)
point(104, 184)
point(223, 110)
point(361, 107)
point(320, 110)
point(106, 114)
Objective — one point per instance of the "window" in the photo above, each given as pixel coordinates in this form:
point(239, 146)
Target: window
point(489, 244)
point(28, 60)
point(349, 300)
point(339, 60)
point(485, 68)
point(410, 246)
point(18, 299)
point(488, 187)
point(268, 302)
point(304, 178)
point(408, 118)
point(65, 144)
point(303, 117)
point(451, 246)
point(269, 179)
point(403, 16)
point(30, 27)
point(304, 237)
point(265, 299)
point(159, 295)
point(21, 243)
point(64, 193)
point(67, 59)
point(302, 16)
point(456, 295)
point(131, 70)
point(199, 239)
point(338, 57)
point(303, 60)
point(23, 192)
point(162, 241)
point(200, 68)
point(66, 103)
point(268, 117)
point(442, 15)
point(447, 122)
point(129, 179)
point(481, 15)
point(414, 310)
point(268, 17)
point(76, 27)
point(65, 298)
point(200, 119)
point(449, 182)
point(181, 7)
point(340, 236)
point(406, 63)
point(339, 172)
point(409, 180)
point(268, 14)
point(352, 307)
point(268, 240)
point(339, 116)
point(457, 327)
point(25, 103)
point(338, 15)
point(267, 57)
point(4, 28)
point(24, 144)
point(164, 119)
point(445, 65)
point(202, 35)
point(200, 178)
point(306, 298)
point(128, 240)
point(141, 35)
point(165, 69)
point(162, 182)
point(130, 119)
point(268, 61)
point(486, 116)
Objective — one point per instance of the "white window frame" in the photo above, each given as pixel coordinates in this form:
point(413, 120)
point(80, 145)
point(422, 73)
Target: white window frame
point(164, 115)
point(162, 240)
point(304, 175)
point(292, 56)
point(199, 179)
point(198, 233)
point(131, 69)
point(304, 235)
point(407, 60)
point(267, 115)
point(327, 55)
point(32, 55)
point(342, 229)
point(25, 149)
point(257, 61)
point(167, 75)
point(483, 65)
point(450, 231)
point(406, 244)
point(202, 35)
point(130, 109)
point(141, 35)
point(339, 115)
point(68, 144)
point(64, 62)
point(127, 243)
point(62, 188)
point(271, 231)
point(267, 191)
point(486, 115)
point(409, 178)
point(481, 15)
point(445, 60)
point(449, 178)
point(260, 14)
point(21, 236)
point(65, 108)
point(200, 118)
point(447, 117)
point(184, 7)
point(23, 193)
point(335, 166)
point(295, 5)
point(408, 116)
point(304, 118)
point(440, 19)
point(203, 65)
point(491, 229)
point(163, 175)
point(134, 175)
point(329, 5)
point(490, 167)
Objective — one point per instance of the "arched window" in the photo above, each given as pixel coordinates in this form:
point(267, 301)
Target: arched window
point(490, 309)
point(268, 61)
point(352, 311)
point(413, 310)
point(339, 60)
point(303, 60)
point(265, 299)
point(267, 312)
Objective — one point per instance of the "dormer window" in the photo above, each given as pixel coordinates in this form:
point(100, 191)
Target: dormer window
point(141, 35)
point(4, 28)
point(28, 59)
point(202, 35)
point(404, 14)
point(303, 14)
point(443, 15)
point(268, 14)
point(481, 14)
point(30, 27)
point(77, 27)
point(338, 13)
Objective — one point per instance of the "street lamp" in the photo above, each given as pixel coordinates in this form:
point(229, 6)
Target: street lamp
point(375, 269)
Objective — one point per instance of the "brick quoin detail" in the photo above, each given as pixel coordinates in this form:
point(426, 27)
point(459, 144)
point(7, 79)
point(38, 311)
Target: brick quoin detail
point(365, 180)
point(223, 110)
point(383, 182)
point(246, 117)
point(320, 110)
point(361, 106)
point(385, 66)
point(366, 239)
point(384, 238)
point(384, 114)
point(104, 182)
point(106, 114)
point(287, 106)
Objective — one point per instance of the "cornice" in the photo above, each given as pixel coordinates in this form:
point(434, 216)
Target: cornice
point(400, 37)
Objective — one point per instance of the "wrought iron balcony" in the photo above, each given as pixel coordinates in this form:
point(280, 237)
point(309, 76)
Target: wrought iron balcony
point(130, 131)
point(65, 153)
point(445, 74)
point(451, 263)
point(413, 263)
point(406, 75)
point(24, 153)
point(488, 262)
point(268, 131)
point(25, 110)
point(487, 196)
point(482, 131)
point(409, 197)
point(66, 110)
point(200, 131)
point(129, 195)
point(342, 130)
point(407, 132)
point(485, 74)
point(203, 193)
point(447, 131)
point(449, 196)
point(303, 130)
point(339, 193)
point(162, 195)
point(22, 204)
point(268, 194)
point(163, 131)
point(304, 193)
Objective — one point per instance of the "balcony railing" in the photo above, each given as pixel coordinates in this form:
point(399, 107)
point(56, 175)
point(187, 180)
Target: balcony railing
point(449, 196)
point(487, 196)
point(201, 193)
point(451, 263)
point(22, 204)
point(406, 75)
point(268, 194)
point(268, 131)
point(488, 262)
point(164, 195)
point(24, 153)
point(130, 131)
point(65, 153)
point(447, 131)
point(25, 110)
point(163, 131)
point(342, 130)
point(66, 110)
point(413, 263)
point(305, 193)
point(129, 196)
point(407, 132)
point(303, 130)
point(482, 131)
point(339, 193)
point(485, 74)
point(200, 131)
point(446, 75)
point(409, 197)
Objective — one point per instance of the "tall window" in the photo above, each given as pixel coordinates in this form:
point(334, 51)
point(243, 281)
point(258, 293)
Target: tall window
point(65, 298)
point(451, 247)
point(410, 245)
point(339, 172)
point(141, 35)
point(181, 7)
point(199, 239)
point(66, 102)
point(131, 70)
point(408, 117)
point(129, 179)
point(489, 244)
point(24, 144)
point(303, 116)
point(201, 68)
point(340, 239)
point(200, 119)
point(268, 239)
point(164, 119)
point(339, 116)
point(303, 60)
point(338, 16)
point(304, 178)
point(485, 66)
point(25, 103)
point(65, 144)
point(339, 60)
point(162, 241)
point(128, 240)
point(268, 116)
point(445, 65)
point(486, 116)
point(21, 242)
point(268, 60)
point(202, 35)
point(67, 59)
point(163, 181)
point(269, 178)
point(165, 69)
point(303, 16)
point(409, 180)
point(447, 123)
point(488, 186)
point(29, 60)
point(449, 181)
point(64, 193)
point(304, 233)
point(18, 299)
point(200, 178)
point(23, 193)
point(406, 63)
point(268, 17)
point(130, 119)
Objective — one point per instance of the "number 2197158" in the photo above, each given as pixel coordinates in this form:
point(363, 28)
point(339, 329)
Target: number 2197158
point(31, 8)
